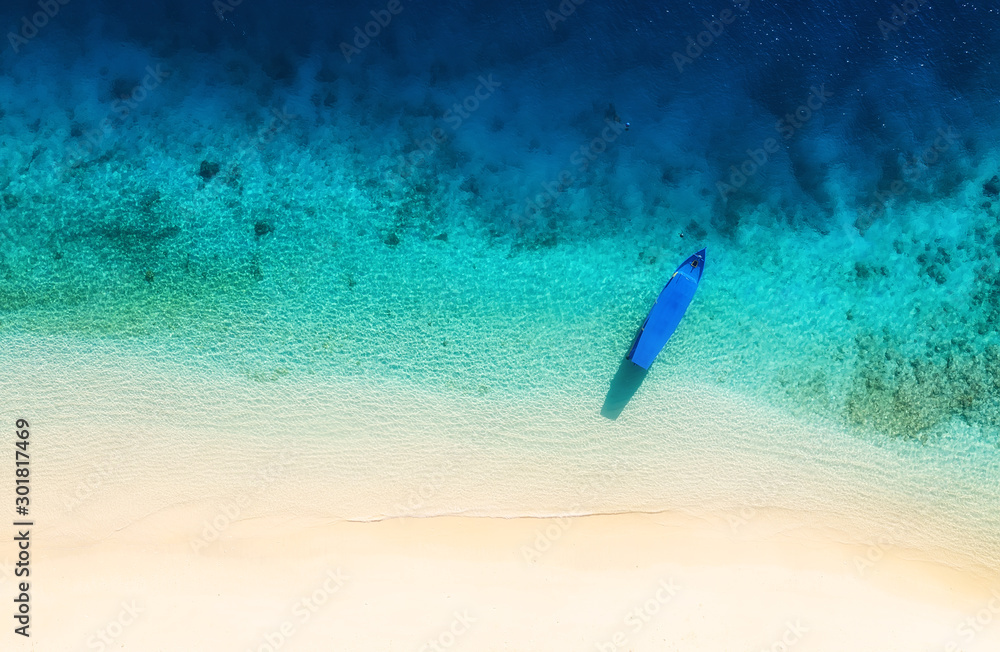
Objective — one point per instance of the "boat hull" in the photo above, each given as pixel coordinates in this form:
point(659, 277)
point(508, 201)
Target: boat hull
point(656, 330)
point(667, 312)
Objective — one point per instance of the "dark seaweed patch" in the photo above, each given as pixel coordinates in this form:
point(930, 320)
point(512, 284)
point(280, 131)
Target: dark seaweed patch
point(908, 396)
point(121, 87)
point(694, 230)
point(130, 239)
point(208, 170)
point(992, 187)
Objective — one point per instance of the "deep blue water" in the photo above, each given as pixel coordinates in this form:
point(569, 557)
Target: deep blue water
point(892, 84)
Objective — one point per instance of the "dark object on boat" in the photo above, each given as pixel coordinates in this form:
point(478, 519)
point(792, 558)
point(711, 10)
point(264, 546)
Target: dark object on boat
point(659, 326)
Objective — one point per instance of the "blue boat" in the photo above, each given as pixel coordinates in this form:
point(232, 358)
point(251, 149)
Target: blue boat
point(659, 326)
point(666, 314)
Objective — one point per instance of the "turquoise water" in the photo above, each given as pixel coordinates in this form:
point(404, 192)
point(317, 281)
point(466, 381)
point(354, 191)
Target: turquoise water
point(262, 218)
point(140, 247)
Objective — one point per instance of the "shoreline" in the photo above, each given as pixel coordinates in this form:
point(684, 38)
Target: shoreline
point(648, 581)
point(727, 524)
point(123, 435)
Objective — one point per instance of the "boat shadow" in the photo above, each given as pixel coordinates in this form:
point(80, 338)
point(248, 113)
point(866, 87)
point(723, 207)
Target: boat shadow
point(623, 386)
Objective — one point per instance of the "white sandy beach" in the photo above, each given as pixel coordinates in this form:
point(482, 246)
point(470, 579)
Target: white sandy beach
point(182, 510)
point(625, 582)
